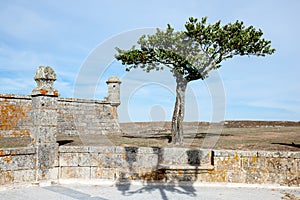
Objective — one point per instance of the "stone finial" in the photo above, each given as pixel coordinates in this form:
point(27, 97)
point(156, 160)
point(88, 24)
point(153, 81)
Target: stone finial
point(44, 77)
point(113, 79)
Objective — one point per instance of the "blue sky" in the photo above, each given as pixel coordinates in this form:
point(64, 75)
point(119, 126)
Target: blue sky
point(71, 36)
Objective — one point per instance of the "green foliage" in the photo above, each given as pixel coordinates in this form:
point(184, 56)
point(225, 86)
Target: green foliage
point(194, 53)
point(222, 42)
point(165, 49)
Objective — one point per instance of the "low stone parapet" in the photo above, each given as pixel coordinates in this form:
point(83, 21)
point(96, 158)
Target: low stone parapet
point(174, 165)
point(256, 167)
point(17, 165)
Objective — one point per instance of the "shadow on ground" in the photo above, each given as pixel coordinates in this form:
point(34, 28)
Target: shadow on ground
point(149, 188)
point(168, 136)
point(72, 193)
point(288, 144)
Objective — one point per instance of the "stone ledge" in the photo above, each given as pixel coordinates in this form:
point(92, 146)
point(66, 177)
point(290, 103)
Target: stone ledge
point(273, 154)
point(15, 96)
point(91, 101)
point(279, 154)
point(185, 167)
point(17, 151)
point(74, 149)
point(121, 149)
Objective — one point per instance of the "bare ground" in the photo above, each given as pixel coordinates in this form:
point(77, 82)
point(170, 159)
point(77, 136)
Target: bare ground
point(242, 135)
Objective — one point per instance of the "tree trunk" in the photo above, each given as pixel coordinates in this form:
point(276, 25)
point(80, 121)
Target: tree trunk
point(178, 114)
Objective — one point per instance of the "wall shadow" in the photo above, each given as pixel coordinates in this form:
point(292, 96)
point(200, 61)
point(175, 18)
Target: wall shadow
point(63, 142)
point(74, 194)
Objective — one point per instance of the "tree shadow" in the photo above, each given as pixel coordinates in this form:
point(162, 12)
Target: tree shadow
point(287, 144)
point(163, 189)
point(157, 183)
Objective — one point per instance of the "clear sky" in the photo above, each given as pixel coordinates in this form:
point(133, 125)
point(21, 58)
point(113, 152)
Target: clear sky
point(77, 38)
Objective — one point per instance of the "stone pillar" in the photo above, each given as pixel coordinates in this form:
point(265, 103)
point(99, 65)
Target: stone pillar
point(113, 94)
point(44, 119)
point(113, 90)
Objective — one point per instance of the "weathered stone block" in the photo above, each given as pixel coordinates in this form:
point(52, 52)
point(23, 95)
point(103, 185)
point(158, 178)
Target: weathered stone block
point(292, 179)
point(253, 163)
point(17, 151)
point(94, 159)
point(119, 161)
point(235, 177)
point(84, 159)
point(279, 154)
point(44, 134)
point(152, 175)
point(227, 163)
point(102, 173)
point(6, 177)
point(74, 149)
point(48, 174)
point(22, 176)
point(184, 156)
point(44, 102)
point(224, 153)
point(146, 161)
point(17, 162)
point(147, 150)
point(75, 172)
point(44, 117)
point(68, 159)
point(102, 161)
point(271, 178)
point(47, 154)
point(125, 174)
point(279, 165)
point(254, 177)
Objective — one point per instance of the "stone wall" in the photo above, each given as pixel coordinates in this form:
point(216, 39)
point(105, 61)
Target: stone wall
point(17, 165)
point(72, 117)
point(83, 116)
point(178, 164)
point(126, 163)
point(256, 167)
point(15, 120)
point(75, 116)
point(171, 165)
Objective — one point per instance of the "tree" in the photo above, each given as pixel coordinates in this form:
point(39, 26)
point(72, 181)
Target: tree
point(190, 55)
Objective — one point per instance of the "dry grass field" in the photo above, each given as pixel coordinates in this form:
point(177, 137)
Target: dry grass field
point(242, 135)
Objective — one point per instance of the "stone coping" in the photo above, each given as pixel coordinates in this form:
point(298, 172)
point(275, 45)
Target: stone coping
point(185, 167)
point(217, 153)
point(104, 149)
point(15, 96)
point(17, 151)
point(274, 154)
point(28, 97)
point(118, 149)
point(92, 101)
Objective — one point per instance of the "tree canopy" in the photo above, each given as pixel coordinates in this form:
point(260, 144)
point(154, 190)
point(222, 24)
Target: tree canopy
point(196, 51)
point(192, 54)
